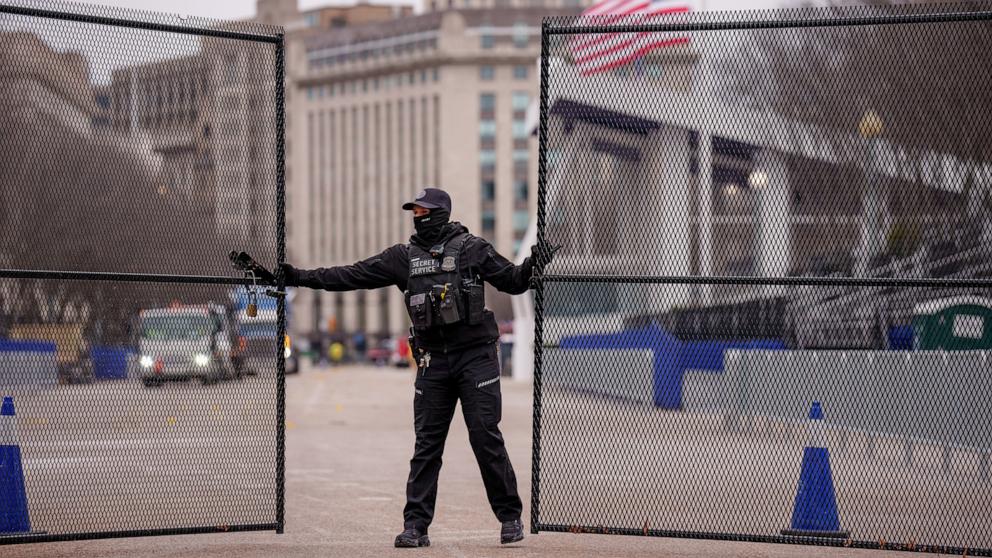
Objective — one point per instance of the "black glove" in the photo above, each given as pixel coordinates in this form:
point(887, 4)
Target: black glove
point(287, 273)
point(543, 253)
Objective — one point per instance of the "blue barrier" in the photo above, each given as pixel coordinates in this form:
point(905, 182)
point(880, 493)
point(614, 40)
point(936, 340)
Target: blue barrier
point(28, 362)
point(12, 346)
point(901, 338)
point(109, 363)
point(672, 356)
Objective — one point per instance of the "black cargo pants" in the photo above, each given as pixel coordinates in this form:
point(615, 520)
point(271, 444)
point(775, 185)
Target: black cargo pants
point(472, 376)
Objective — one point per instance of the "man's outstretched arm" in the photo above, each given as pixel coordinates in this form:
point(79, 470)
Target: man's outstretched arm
point(389, 267)
point(500, 272)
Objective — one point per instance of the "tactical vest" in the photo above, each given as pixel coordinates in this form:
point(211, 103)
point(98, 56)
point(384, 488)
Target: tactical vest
point(438, 294)
point(446, 303)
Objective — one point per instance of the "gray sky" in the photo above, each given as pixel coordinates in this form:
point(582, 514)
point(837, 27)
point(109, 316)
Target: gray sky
point(238, 9)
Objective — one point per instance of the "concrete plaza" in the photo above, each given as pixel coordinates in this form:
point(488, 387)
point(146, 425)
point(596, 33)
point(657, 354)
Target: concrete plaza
point(349, 439)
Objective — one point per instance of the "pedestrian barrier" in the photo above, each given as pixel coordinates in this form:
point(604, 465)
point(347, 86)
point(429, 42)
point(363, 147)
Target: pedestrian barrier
point(928, 395)
point(138, 150)
point(745, 203)
point(28, 363)
point(672, 357)
point(109, 363)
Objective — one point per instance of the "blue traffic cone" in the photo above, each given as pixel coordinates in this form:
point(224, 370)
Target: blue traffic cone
point(814, 513)
point(13, 498)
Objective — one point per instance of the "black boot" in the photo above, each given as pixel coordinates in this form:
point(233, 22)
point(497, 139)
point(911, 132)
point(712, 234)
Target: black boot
point(512, 532)
point(412, 538)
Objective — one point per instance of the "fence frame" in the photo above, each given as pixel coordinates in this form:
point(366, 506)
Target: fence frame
point(277, 39)
point(709, 22)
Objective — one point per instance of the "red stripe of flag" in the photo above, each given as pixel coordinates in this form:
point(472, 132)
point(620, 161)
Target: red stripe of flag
point(644, 17)
point(636, 54)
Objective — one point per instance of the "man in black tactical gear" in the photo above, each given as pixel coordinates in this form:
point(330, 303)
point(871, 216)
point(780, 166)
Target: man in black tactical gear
point(455, 342)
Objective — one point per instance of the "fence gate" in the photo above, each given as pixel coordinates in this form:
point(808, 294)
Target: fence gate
point(770, 319)
point(136, 151)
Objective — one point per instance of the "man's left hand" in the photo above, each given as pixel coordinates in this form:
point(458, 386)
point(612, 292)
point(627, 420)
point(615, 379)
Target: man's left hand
point(543, 252)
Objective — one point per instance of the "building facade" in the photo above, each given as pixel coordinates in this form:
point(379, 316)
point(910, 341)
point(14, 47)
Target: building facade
point(376, 113)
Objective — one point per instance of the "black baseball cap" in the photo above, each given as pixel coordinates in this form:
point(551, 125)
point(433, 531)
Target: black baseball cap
point(430, 198)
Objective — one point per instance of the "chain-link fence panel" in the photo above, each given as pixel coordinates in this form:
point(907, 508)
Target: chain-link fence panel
point(140, 396)
point(769, 318)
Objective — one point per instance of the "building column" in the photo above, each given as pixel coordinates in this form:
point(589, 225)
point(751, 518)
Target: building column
point(770, 177)
point(373, 312)
point(303, 316)
point(705, 194)
point(348, 321)
point(981, 189)
point(666, 211)
point(874, 213)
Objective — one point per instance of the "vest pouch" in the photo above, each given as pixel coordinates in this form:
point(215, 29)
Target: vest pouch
point(447, 300)
point(419, 307)
point(475, 301)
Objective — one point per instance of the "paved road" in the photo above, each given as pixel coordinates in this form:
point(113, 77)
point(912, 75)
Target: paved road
point(349, 440)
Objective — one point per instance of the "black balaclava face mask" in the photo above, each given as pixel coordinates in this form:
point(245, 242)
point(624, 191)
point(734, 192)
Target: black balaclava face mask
point(429, 227)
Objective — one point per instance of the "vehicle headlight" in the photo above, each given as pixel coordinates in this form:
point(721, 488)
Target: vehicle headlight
point(146, 361)
point(201, 360)
point(287, 352)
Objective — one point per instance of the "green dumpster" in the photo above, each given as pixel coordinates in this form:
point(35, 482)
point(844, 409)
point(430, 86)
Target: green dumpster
point(953, 324)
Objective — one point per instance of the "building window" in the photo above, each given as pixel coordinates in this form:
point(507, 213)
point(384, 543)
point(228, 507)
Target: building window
point(487, 158)
point(423, 76)
point(520, 155)
point(521, 218)
point(488, 222)
point(521, 38)
point(488, 190)
point(521, 71)
point(487, 128)
point(520, 190)
point(487, 103)
point(437, 74)
point(487, 73)
point(520, 101)
point(519, 129)
point(486, 39)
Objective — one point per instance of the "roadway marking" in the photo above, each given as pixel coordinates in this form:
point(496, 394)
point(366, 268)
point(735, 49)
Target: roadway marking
point(315, 395)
